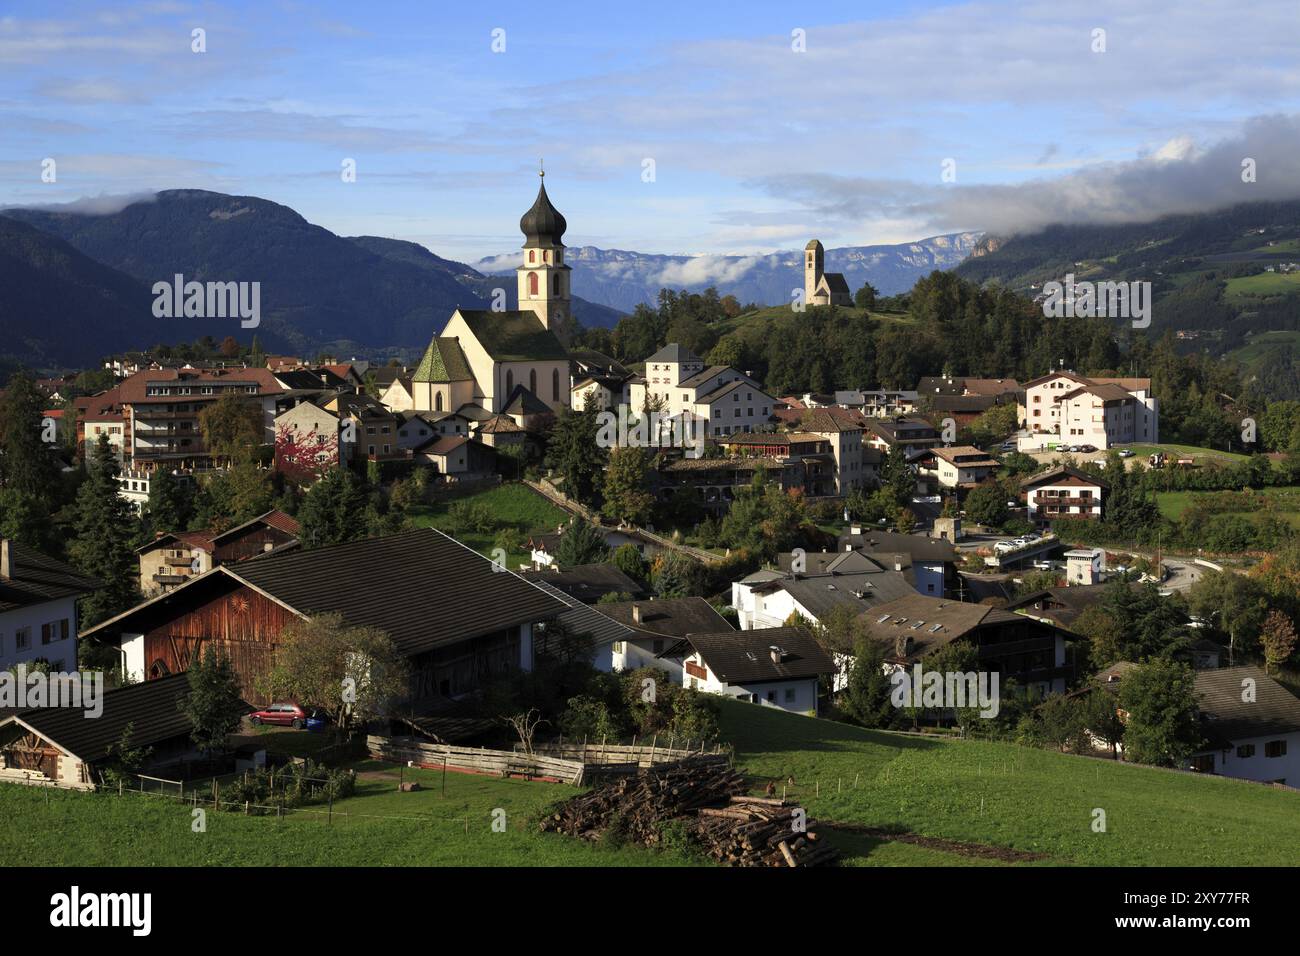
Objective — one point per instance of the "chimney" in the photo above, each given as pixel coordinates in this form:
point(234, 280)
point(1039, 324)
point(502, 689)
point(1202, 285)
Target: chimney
point(855, 528)
point(777, 654)
point(898, 565)
point(6, 561)
point(636, 613)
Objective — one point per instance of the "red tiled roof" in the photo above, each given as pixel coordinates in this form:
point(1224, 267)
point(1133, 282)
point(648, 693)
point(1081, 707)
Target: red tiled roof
point(134, 390)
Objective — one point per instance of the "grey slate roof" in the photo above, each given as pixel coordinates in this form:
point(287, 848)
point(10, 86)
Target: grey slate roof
point(582, 619)
point(744, 657)
point(673, 353)
point(1218, 693)
point(588, 583)
point(35, 578)
point(667, 617)
point(151, 708)
point(424, 588)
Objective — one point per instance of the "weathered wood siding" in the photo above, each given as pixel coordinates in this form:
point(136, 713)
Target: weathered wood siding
point(243, 624)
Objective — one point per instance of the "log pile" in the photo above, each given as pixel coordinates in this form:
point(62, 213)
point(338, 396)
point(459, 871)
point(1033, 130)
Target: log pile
point(758, 831)
point(707, 794)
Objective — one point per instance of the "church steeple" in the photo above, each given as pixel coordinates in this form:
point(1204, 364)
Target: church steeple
point(543, 276)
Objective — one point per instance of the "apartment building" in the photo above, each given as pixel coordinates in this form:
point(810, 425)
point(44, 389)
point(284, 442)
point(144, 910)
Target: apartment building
point(1076, 410)
point(677, 383)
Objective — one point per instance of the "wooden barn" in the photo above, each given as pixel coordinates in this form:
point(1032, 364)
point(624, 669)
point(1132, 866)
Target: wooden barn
point(62, 746)
point(451, 612)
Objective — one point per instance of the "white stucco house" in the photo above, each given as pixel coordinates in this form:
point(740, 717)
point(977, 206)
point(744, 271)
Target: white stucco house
point(781, 667)
point(1251, 724)
point(38, 607)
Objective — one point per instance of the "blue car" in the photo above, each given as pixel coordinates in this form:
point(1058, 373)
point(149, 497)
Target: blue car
point(317, 721)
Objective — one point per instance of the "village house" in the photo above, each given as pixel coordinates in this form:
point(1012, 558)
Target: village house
point(965, 399)
point(878, 403)
point(677, 385)
point(414, 429)
point(171, 559)
point(580, 623)
point(598, 378)
point(909, 435)
point(656, 626)
point(367, 430)
point(240, 610)
point(809, 452)
point(38, 607)
point(1076, 410)
point(781, 667)
point(928, 564)
point(958, 466)
point(307, 441)
point(1031, 652)
point(825, 581)
point(1063, 492)
point(1058, 605)
point(588, 583)
point(1256, 738)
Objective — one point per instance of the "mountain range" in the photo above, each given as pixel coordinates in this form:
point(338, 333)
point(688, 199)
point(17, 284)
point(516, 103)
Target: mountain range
point(76, 286)
point(623, 279)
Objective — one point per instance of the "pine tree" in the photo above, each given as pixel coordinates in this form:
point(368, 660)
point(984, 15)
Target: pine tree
point(104, 546)
point(335, 510)
point(26, 464)
point(574, 453)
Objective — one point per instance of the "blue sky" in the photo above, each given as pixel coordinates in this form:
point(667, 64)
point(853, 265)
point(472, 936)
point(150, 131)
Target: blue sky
point(756, 146)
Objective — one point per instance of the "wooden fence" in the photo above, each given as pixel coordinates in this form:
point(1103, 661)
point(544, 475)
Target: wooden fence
point(503, 763)
point(563, 761)
point(634, 755)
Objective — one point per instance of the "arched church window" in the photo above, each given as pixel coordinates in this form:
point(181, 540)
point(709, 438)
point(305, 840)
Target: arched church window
point(532, 380)
point(532, 255)
point(437, 403)
point(510, 382)
point(555, 384)
point(532, 283)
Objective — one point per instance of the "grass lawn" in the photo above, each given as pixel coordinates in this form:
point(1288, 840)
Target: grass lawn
point(1264, 284)
point(1172, 504)
point(1009, 796)
point(88, 829)
point(513, 505)
point(1183, 451)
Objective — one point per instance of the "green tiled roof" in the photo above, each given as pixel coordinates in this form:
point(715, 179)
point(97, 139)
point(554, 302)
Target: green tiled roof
point(443, 362)
point(514, 336)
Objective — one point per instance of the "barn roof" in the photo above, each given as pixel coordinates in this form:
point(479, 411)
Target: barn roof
point(423, 588)
point(151, 709)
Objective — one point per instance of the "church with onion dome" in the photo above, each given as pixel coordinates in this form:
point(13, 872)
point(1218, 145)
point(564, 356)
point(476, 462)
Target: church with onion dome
point(508, 362)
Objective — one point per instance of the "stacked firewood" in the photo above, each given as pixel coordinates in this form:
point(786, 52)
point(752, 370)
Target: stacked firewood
point(758, 831)
point(707, 794)
point(638, 804)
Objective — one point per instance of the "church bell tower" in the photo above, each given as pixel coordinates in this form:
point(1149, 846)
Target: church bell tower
point(543, 276)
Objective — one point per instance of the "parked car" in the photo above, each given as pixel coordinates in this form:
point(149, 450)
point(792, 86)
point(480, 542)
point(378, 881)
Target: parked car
point(1087, 449)
point(1126, 453)
point(285, 715)
point(317, 720)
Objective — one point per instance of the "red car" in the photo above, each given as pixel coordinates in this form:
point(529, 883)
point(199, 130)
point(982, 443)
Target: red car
point(290, 715)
